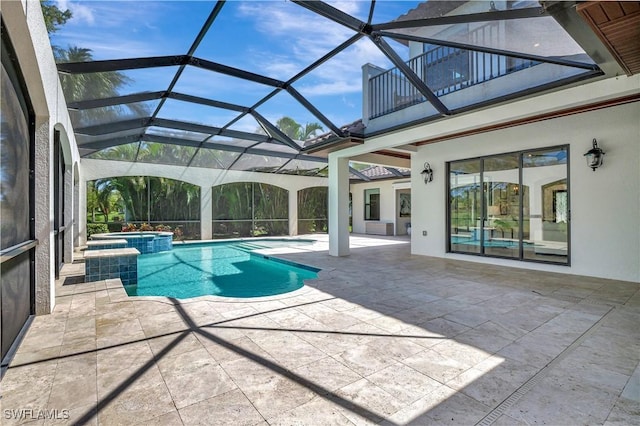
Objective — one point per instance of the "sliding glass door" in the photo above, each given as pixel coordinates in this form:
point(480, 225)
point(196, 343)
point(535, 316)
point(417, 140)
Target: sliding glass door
point(513, 205)
point(502, 192)
point(465, 206)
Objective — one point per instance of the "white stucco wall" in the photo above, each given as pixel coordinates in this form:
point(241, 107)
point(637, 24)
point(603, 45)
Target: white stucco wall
point(605, 204)
point(619, 257)
point(387, 203)
point(27, 32)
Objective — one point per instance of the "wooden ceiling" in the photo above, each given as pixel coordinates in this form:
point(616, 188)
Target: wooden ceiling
point(617, 24)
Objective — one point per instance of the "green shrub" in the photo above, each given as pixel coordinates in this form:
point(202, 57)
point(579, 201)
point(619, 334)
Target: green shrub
point(96, 228)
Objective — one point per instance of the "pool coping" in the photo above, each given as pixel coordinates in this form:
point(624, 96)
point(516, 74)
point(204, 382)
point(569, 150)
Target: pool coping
point(213, 298)
point(242, 239)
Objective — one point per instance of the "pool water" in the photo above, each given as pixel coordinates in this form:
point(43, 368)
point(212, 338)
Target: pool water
point(490, 243)
point(220, 269)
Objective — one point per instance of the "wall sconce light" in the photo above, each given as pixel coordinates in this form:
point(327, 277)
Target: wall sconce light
point(427, 172)
point(594, 156)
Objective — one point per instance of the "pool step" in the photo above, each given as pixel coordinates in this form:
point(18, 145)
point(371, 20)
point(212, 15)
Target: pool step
point(249, 246)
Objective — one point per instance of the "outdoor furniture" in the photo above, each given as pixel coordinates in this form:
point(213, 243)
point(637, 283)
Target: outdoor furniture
point(379, 228)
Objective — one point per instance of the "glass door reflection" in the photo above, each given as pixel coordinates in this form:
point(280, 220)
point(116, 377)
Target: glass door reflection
point(501, 228)
point(545, 171)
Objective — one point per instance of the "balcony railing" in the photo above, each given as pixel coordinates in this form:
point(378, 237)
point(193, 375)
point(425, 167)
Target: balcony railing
point(444, 70)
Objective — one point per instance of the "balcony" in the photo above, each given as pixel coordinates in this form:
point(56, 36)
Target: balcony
point(445, 70)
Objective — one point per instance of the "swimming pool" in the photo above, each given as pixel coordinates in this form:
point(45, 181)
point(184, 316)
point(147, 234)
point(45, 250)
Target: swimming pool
point(219, 269)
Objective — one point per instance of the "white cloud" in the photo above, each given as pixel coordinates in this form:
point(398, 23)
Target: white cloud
point(245, 124)
point(332, 88)
point(116, 46)
point(353, 8)
point(111, 29)
point(309, 37)
point(347, 102)
point(81, 12)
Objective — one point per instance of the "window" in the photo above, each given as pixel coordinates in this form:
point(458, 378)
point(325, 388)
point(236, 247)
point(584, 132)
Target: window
point(513, 205)
point(372, 204)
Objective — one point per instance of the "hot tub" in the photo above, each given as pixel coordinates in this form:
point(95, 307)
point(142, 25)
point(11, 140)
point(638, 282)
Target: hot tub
point(145, 241)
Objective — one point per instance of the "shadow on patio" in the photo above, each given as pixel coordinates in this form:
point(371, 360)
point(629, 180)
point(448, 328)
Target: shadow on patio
point(380, 336)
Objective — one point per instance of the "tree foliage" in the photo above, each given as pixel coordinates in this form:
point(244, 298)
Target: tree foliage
point(98, 85)
point(88, 85)
point(313, 210)
point(148, 199)
point(247, 209)
point(102, 196)
point(78, 87)
point(297, 131)
point(54, 18)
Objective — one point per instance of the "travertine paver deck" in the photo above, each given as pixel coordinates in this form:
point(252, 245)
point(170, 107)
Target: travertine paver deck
point(381, 336)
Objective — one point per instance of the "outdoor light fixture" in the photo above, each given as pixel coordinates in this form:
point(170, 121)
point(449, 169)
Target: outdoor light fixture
point(427, 172)
point(594, 156)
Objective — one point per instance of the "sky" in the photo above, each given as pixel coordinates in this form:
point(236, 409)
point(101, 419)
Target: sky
point(276, 38)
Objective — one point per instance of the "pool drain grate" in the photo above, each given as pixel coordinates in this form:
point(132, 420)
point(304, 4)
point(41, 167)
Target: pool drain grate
point(526, 387)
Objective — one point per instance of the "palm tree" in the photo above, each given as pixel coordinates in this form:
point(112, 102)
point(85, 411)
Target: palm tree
point(84, 86)
point(289, 127)
point(133, 190)
point(98, 85)
point(92, 199)
point(296, 131)
point(310, 130)
point(102, 195)
point(173, 200)
point(125, 152)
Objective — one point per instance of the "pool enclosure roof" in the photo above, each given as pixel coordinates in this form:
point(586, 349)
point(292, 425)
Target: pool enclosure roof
point(206, 84)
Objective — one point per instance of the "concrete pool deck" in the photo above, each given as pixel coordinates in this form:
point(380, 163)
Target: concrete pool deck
point(381, 337)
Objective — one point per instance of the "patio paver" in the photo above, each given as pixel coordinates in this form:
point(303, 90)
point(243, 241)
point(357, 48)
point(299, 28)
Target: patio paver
point(380, 337)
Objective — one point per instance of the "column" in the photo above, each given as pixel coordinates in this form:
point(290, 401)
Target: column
point(206, 214)
point(338, 205)
point(293, 212)
point(45, 287)
point(77, 217)
point(69, 216)
point(81, 220)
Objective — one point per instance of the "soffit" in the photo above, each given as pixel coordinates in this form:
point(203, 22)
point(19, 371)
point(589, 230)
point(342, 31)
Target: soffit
point(617, 24)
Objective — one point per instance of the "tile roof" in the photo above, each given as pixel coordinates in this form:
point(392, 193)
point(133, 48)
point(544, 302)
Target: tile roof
point(380, 172)
point(355, 129)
